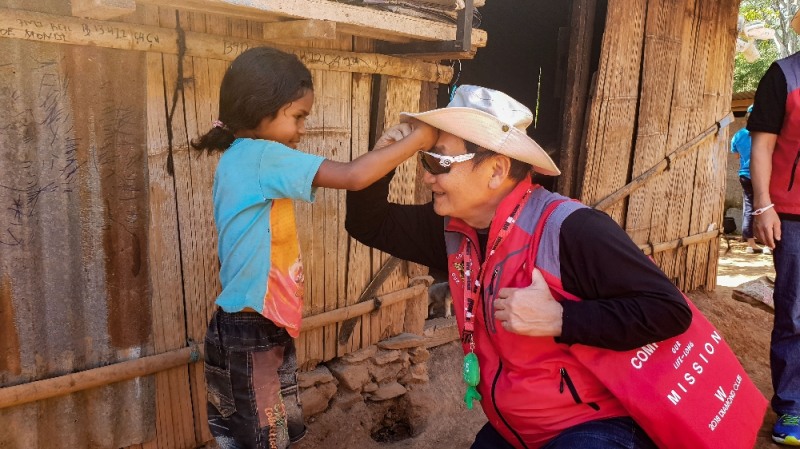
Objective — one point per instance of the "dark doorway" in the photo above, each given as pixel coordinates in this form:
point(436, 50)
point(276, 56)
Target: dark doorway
point(526, 57)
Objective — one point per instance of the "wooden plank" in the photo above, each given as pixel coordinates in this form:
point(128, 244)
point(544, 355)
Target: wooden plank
point(336, 134)
point(174, 426)
point(40, 27)
point(201, 102)
point(163, 253)
point(194, 177)
point(102, 9)
point(613, 110)
point(662, 47)
point(576, 94)
point(350, 18)
point(401, 96)
point(674, 210)
point(191, 259)
point(709, 186)
point(298, 29)
point(358, 261)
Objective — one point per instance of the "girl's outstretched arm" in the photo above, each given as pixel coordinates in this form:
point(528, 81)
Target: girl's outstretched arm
point(396, 145)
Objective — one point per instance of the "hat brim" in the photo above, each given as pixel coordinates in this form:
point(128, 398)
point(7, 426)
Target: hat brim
point(485, 130)
point(795, 23)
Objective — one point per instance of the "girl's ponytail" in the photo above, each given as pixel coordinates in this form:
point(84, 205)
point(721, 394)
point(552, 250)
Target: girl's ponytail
point(218, 138)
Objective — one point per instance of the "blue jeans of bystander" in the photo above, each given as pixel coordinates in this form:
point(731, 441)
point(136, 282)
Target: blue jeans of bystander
point(785, 345)
point(747, 207)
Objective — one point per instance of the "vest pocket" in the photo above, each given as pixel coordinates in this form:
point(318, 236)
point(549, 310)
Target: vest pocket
point(794, 170)
point(565, 379)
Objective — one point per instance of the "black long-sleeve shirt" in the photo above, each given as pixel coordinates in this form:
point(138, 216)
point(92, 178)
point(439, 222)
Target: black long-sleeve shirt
point(627, 302)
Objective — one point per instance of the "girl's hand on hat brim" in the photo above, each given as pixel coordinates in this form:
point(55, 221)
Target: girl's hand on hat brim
point(393, 134)
point(427, 134)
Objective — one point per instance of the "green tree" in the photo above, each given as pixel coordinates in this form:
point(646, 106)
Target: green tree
point(776, 14)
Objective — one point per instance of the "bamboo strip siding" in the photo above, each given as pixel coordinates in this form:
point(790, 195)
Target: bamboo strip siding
point(613, 107)
point(662, 46)
point(678, 89)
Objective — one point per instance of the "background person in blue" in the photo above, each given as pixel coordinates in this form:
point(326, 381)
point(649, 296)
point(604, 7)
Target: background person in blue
point(740, 146)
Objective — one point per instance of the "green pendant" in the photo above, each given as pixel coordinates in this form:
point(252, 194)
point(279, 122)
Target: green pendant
point(472, 375)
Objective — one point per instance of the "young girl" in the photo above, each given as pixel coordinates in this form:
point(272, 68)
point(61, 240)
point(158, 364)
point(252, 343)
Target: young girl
point(250, 360)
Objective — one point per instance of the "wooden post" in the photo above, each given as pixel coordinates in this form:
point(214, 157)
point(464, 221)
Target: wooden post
point(576, 96)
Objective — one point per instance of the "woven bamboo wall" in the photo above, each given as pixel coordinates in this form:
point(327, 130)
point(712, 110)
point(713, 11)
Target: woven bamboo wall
point(664, 78)
point(167, 100)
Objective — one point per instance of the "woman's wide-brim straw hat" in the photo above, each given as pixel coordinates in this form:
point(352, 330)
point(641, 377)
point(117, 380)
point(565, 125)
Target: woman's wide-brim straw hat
point(492, 120)
point(795, 24)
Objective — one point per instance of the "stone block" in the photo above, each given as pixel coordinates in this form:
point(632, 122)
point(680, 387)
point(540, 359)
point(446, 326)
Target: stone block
point(417, 374)
point(384, 357)
point(315, 399)
point(420, 355)
point(350, 376)
point(388, 391)
point(402, 341)
point(381, 373)
point(317, 376)
point(360, 355)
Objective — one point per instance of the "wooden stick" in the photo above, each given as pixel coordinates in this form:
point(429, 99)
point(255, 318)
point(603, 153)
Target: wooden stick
point(677, 243)
point(97, 377)
point(642, 179)
point(362, 308)
point(32, 26)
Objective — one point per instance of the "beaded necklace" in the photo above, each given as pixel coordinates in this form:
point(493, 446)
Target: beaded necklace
point(472, 288)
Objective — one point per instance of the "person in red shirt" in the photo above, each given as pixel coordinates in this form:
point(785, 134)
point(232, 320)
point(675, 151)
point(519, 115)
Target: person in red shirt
point(774, 126)
point(479, 228)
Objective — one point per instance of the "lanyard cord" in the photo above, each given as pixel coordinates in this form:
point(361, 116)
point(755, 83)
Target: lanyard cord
point(473, 288)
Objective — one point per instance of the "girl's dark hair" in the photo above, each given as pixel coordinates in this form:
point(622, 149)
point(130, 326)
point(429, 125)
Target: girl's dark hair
point(257, 84)
point(519, 170)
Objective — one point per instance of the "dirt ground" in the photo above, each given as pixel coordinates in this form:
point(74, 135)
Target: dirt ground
point(434, 415)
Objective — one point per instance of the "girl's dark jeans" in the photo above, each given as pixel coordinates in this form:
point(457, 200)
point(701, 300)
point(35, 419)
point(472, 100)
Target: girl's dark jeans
point(251, 376)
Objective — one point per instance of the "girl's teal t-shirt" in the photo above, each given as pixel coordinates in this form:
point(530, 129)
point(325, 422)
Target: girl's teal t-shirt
point(250, 174)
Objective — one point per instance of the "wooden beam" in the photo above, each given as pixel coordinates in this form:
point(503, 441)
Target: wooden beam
point(18, 24)
point(102, 9)
point(741, 104)
point(350, 19)
point(694, 239)
point(97, 377)
point(361, 308)
point(299, 29)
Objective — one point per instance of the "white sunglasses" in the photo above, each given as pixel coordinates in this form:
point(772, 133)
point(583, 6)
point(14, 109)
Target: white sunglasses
point(437, 164)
